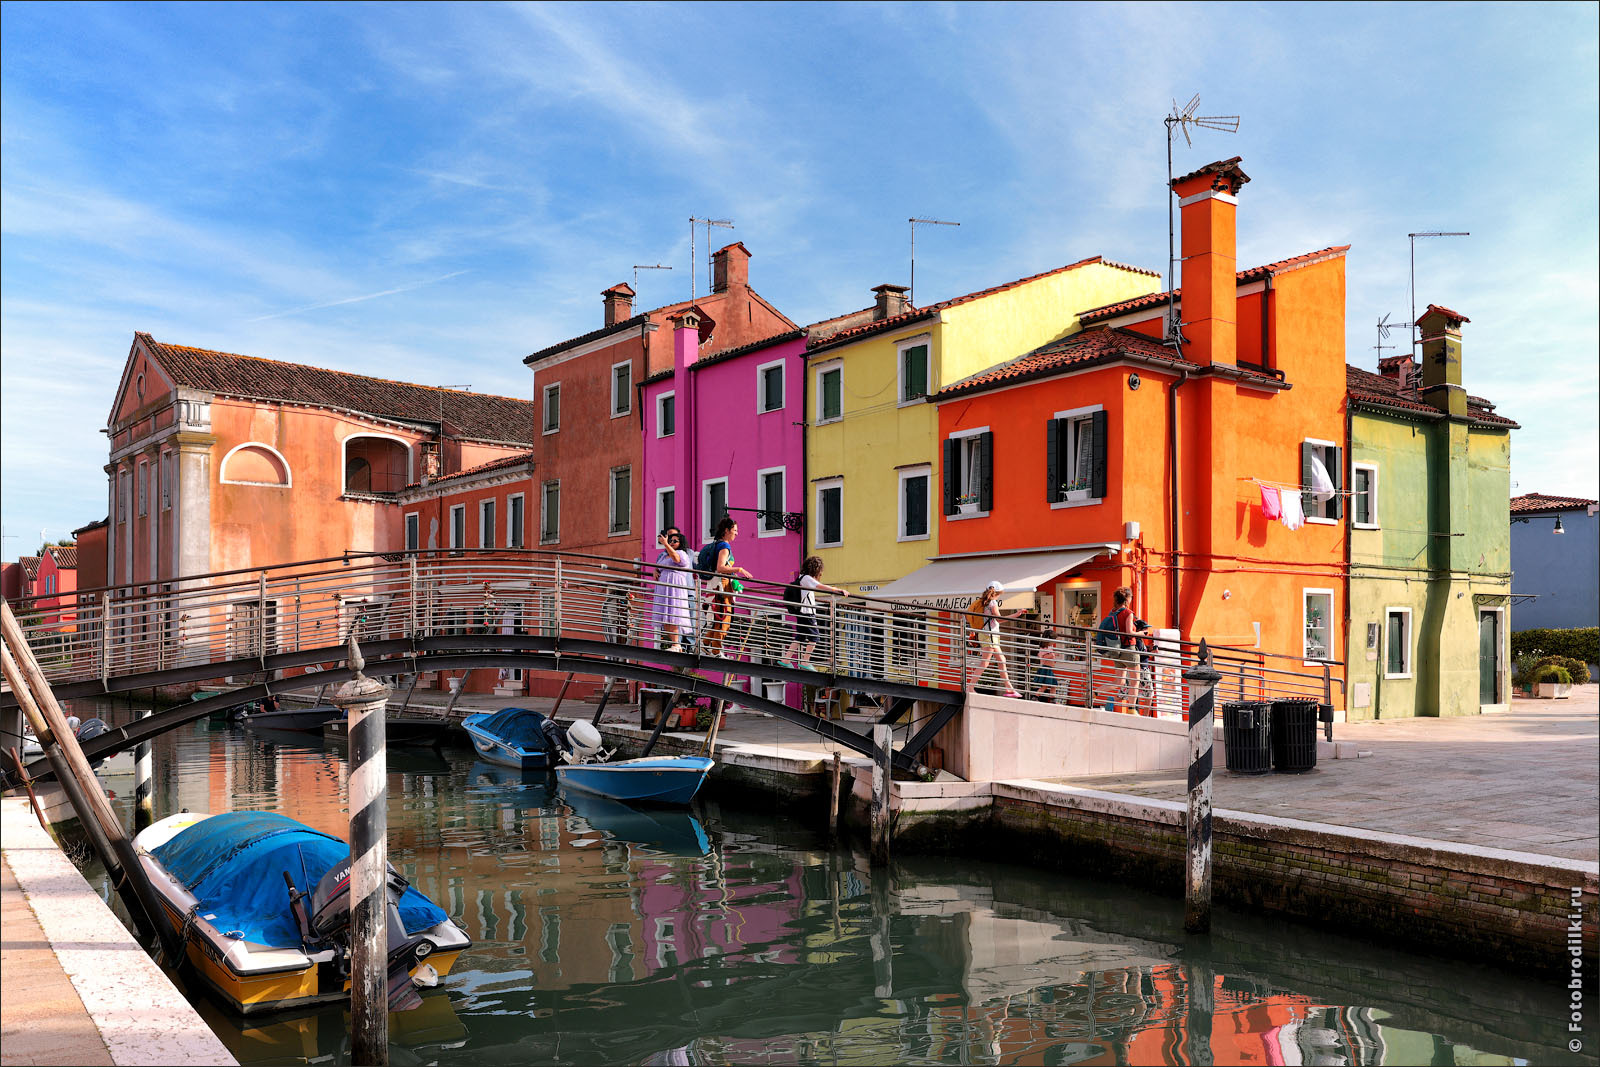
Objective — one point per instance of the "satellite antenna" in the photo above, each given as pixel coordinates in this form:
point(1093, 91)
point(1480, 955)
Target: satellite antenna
point(637, 267)
point(1424, 233)
point(1181, 119)
point(911, 290)
point(726, 224)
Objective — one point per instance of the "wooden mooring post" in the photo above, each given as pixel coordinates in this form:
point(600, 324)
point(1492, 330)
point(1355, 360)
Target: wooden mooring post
point(363, 701)
point(882, 779)
point(833, 798)
point(1202, 679)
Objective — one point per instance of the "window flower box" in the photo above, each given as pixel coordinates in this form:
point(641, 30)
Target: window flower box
point(966, 509)
point(1076, 494)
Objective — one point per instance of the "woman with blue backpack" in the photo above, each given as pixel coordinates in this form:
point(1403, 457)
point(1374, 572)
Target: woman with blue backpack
point(722, 582)
point(1115, 645)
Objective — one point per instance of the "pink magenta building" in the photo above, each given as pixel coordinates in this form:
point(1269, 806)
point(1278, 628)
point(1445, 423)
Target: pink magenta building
point(724, 433)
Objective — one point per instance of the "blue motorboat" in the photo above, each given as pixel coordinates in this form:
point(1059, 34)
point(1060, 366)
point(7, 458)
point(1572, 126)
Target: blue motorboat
point(516, 737)
point(656, 780)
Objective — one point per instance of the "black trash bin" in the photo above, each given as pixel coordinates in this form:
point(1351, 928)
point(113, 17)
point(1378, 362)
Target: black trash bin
point(1247, 736)
point(1294, 736)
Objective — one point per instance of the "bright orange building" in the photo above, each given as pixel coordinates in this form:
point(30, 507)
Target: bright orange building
point(1112, 457)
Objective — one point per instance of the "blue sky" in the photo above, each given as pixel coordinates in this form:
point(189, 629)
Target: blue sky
point(431, 192)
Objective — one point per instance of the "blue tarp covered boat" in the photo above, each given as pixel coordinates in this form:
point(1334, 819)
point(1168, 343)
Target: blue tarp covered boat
point(516, 737)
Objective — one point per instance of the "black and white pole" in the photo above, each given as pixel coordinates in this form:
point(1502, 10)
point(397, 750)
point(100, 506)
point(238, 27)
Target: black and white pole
point(363, 699)
point(144, 808)
point(1202, 679)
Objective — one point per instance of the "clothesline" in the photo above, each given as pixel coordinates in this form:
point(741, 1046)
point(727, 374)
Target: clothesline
point(1292, 487)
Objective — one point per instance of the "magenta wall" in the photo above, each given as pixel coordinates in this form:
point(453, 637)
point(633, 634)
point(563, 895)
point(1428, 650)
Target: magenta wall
point(721, 433)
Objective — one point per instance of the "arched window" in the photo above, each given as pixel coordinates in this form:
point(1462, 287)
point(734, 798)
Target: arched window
point(374, 464)
point(255, 464)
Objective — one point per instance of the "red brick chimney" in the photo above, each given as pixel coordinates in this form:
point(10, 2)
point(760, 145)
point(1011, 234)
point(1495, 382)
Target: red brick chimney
point(1402, 370)
point(619, 303)
point(1207, 200)
point(730, 268)
point(891, 301)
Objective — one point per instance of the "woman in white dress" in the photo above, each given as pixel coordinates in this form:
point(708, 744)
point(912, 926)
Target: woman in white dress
point(675, 578)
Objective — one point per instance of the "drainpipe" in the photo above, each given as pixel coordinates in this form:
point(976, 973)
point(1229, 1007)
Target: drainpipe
point(1177, 496)
point(1266, 347)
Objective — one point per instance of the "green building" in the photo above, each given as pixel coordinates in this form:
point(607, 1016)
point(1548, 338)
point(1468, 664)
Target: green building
point(1430, 541)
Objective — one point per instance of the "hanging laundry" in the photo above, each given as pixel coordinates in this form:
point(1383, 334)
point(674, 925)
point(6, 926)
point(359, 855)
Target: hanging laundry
point(1294, 515)
point(1270, 508)
point(1321, 485)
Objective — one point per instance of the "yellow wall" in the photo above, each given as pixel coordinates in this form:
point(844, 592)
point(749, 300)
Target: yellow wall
point(877, 437)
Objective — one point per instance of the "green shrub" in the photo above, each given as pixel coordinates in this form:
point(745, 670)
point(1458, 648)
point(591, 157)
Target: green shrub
point(1582, 644)
point(1576, 668)
point(1522, 668)
point(1552, 675)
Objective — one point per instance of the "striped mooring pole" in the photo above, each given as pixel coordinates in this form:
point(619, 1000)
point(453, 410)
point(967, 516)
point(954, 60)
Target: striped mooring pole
point(1202, 679)
point(363, 700)
point(144, 809)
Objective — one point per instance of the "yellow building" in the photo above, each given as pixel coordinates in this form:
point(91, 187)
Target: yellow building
point(872, 436)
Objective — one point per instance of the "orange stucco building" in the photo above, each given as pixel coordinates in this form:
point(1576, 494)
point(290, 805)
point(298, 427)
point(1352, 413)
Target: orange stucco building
point(1112, 457)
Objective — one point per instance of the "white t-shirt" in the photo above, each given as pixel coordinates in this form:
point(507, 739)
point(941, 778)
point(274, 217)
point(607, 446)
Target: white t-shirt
point(808, 594)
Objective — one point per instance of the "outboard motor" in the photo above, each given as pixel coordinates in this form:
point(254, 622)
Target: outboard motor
point(555, 737)
point(584, 741)
point(329, 923)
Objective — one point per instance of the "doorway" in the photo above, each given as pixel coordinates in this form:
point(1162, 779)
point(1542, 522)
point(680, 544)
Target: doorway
point(1489, 657)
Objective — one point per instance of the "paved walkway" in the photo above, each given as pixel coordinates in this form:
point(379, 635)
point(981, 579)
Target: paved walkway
point(1525, 781)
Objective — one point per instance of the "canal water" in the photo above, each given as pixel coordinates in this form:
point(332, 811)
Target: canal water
point(734, 934)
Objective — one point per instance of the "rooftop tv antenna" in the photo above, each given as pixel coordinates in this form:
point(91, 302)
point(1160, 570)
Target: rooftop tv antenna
point(1384, 326)
point(911, 290)
point(1424, 233)
point(637, 267)
point(1181, 119)
point(726, 224)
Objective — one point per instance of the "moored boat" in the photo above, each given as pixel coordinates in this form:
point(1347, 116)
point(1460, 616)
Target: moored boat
point(261, 904)
point(299, 720)
point(649, 779)
point(399, 728)
point(516, 737)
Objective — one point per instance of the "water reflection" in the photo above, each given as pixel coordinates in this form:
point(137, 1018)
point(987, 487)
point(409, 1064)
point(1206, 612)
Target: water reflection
point(603, 934)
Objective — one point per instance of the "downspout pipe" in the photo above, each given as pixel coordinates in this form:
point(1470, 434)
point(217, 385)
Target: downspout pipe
point(1177, 495)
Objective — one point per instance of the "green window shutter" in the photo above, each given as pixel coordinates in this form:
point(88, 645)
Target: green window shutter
point(914, 372)
point(1336, 475)
point(832, 398)
point(952, 474)
point(986, 471)
point(1052, 460)
point(1097, 470)
point(1308, 503)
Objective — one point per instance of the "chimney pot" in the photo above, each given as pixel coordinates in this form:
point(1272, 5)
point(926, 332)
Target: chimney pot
point(730, 268)
point(891, 301)
point(619, 303)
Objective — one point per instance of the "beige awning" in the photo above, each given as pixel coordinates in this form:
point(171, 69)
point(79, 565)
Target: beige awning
point(952, 583)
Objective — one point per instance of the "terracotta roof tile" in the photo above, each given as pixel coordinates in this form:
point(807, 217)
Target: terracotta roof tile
point(66, 556)
point(855, 333)
point(97, 524)
point(1099, 345)
point(1244, 277)
point(730, 353)
point(1446, 312)
point(503, 463)
point(1544, 502)
point(479, 416)
point(659, 314)
point(1367, 388)
point(30, 566)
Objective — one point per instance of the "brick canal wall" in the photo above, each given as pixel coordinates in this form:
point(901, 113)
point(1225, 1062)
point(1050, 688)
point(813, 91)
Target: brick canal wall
point(1497, 907)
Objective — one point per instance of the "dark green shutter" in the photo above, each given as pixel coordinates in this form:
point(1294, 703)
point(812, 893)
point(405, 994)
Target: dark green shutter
point(1335, 475)
point(1308, 503)
point(1097, 469)
point(952, 474)
point(1052, 460)
point(986, 471)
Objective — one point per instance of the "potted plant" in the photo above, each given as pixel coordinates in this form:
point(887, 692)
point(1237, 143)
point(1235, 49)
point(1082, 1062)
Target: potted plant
point(1075, 490)
point(1522, 670)
point(967, 503)
point(1555, 683)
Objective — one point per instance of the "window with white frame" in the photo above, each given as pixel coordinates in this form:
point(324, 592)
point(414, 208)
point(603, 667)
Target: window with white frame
point(713, 505)
point(913, 370)
point(144, 488)
point(1364, 495)
point(914, 486)
point(552, 408)
point(830, 392)
point(666, 507)
point(550, 513)
point(666, 414)
point(621, 497)
point(123, 479)
point(166, 481)
point(1321, 463)
point(1397, 643)
point(969, 472)
point(458, 526)
point(1075, 455)
point(516, 521)
point(413, 531)
point(770, 499)
point(1317, 614)
point(830, 512)
point(621, 388)
point(486, 523)
point(769, 387)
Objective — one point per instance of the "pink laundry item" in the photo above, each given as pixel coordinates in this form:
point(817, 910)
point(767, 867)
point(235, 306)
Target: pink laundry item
point(1270, 507)
point(1294, 515)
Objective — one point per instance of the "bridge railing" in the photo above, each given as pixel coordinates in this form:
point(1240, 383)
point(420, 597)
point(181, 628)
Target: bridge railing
point(243, 616)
